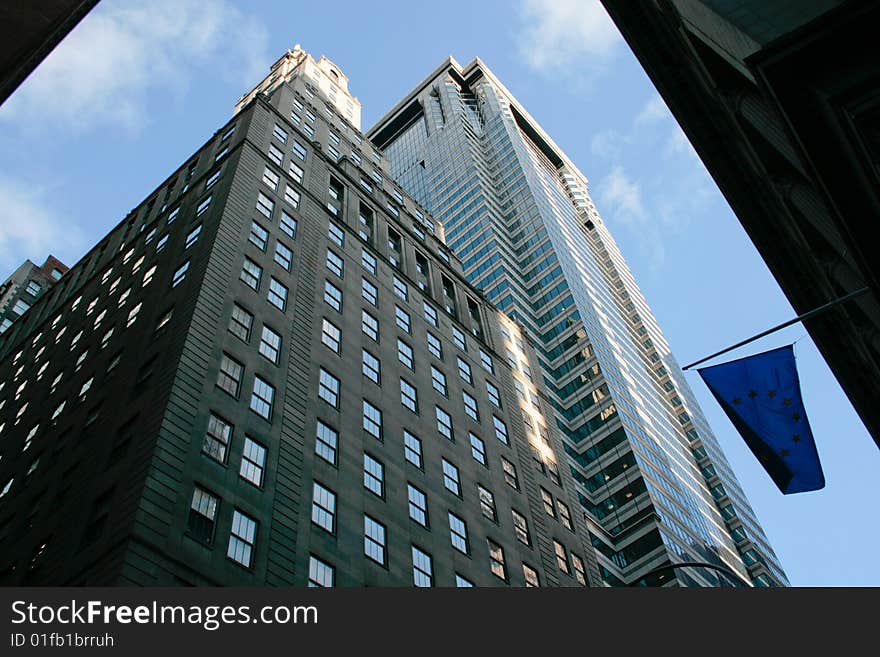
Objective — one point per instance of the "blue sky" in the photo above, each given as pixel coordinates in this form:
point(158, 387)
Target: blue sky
point(138, 87)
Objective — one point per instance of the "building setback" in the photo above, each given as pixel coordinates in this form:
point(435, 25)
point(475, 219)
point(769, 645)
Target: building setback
point(27, 284)
point(652, 480)
point(272, 372)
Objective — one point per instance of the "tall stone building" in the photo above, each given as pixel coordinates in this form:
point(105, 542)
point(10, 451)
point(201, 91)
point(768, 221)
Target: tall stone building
point(27, 284)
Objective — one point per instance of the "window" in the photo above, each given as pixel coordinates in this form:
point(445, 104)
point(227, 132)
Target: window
point(333, 296)
point(463, 582)
point(470, 406)
point(180, 274)
point(369, 325)
point(161, 243)
point(409, 396)
point(412, 449)
point(335, 264)
point(418, 505)
point(487, 503)
point(217, 437)
point(326, 442)
point(486, 362)
point(430, 314)
point(299, 150)
point(259, 236)
point(262, 398)
point(270, 345)
point(464, 370)
point(510, 473)
point(521, 528)
point(277, 294)
point(240, 323)
point(369, 292)
point(296, 172)
point(33, 287)
point(459, 339)
point(331, 335)
point(280, 133)
point(323, 507)
point(283, 255)
point(374, 539)
point(253, 462)
point(202, 515)
point(438, 380)
point(531, 576)
point(241, 538)
point(321, 574)
point(435, 346)
point(336, 235)
point(402, 319)
point(444, 423)
point(328, 388)
point(564, 515)
point(265, 205)
point(580, 573)
point(367, 186)
point(458, 533)
point(423, 571)
point(478, 449)
point(251, 274)
point(404, 353)
point(288, 225)
point(370, 366)
point(292, 197)
point(271, 179)
point(372, 420)
point(548, 503)
point(561, 557)
point(374, 475)
point(212, 179)
point(132, 316)
point(450, 478)
point(275, 154)
point(200, 210)
point(496, 560)
point(500, 430)
point(400, 289)
point(368, 262)
point(494, 394)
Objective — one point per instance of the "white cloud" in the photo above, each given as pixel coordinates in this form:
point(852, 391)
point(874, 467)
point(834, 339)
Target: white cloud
point(561, 34)
point(121, 52)
point(653, 111)
point(30, 229)
point(620, 198)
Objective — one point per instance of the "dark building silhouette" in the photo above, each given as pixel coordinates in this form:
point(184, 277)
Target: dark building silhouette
point(272, 372)
point(780, 101)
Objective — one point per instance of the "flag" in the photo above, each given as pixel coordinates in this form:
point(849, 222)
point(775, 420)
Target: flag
point(762, 397)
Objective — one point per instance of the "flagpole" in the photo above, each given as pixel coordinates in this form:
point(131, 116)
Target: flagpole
point(799, 318)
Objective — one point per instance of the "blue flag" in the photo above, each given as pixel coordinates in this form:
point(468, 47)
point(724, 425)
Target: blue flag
point(761, 395)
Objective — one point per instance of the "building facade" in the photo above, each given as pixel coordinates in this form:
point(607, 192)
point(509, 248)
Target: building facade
point(27, 284)
point(653, 482)
point(273, 372)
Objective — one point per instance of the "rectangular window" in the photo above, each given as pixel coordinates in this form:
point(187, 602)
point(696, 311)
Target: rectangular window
point(258, 236)
point(336, 235)
point(444, 423)
point(496, 560)
point(296, 172)
point(270, 345)
point(242, 538)
point(486, 362)
point(326, 442)
point(580, 574)
point(292, 197)
point(321, 574)
point(271, 179)
point(275, 154)
point(370, 366)
point(521, 528)
point(283, 255)
point(400, 289)
point(459, 339)
point(217, 437)
point(374, 539)
point(335, 264)
point(405, 353)
point(458, 533)
point(280, 133)
point(229, 376)
point(374, 475)
point(288, 225)
point(333, 296)
point(402, 319)
point(412, 449)
point(192, 237)
point(211, 180)
point(487, 503)
point(202, 207)
point(180, 274)
point(262, 398)
point(331, 335)
point(409, 396)
point(500, 430)
point(299, 151)
point(369, 292)
point(561, 557)
point(323, 507)
point(430, 314)
point(531, 576)
point(494, 394)
point(470, 406)
point(435, 346)
point(372, 420)
point(253, 462)
point(478, 449)
point(418, 505)
point(328, 388)
point(265, 205)
point(369, 325)
point(438, 381)
point(251, 273)
point(510, 473)
point(202, 515)
point(464, 371)
point(368, 262)
point(277, 294)
point(564, 515)
point(547, 498)
point(450, 478)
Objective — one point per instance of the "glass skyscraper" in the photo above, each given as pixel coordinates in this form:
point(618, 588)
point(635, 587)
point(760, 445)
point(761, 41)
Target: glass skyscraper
point(653, 481)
